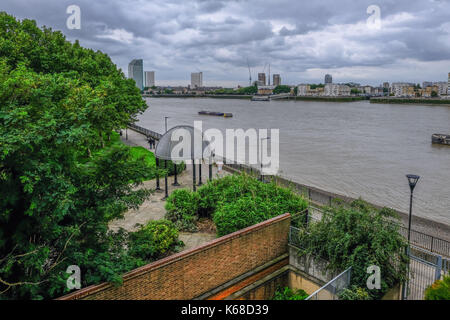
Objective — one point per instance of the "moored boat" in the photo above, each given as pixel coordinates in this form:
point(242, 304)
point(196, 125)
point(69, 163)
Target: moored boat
point(213, 113)
point(440, 138)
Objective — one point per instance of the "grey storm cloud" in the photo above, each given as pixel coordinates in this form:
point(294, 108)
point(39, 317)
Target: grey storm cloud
point(300, 39)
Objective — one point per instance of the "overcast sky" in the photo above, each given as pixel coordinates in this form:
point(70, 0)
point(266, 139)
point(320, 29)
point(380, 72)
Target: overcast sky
point(302, 40)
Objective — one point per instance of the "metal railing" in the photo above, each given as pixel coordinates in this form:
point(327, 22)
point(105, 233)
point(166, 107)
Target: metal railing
point(419, 239)
point(424, 269)
point(145, 131)
point(331, 290)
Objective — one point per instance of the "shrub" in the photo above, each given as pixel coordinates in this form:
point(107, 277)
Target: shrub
point(182, 207)
point(238, 215)
point(287, 293)
point(234, 202)
point(154, 240)
point(439, 290)
point(359, 236)
point(354, 293)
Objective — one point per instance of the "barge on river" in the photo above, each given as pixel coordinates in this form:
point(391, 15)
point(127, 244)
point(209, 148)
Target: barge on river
point(441, 139)
point(213, 113)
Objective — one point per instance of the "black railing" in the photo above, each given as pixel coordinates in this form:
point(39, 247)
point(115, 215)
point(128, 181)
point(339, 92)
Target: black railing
point(145, 131)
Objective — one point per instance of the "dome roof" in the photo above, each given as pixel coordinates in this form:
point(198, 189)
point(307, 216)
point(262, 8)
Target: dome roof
point(177, 144)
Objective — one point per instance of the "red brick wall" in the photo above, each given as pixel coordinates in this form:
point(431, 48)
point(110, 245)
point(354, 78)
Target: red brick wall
point(190, 273)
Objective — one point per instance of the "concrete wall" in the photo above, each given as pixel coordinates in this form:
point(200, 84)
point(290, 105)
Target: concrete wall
point(191, 273)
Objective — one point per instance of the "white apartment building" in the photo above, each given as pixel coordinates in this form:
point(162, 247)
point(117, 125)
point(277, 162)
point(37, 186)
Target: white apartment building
point(448, 84)
point(400, 89)
point(196, 80)
point(443, 87)
point(149, 78)
point(333, 90)
point(302, 89)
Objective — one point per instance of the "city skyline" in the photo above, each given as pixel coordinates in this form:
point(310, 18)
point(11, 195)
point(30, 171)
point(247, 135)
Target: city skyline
point(301, 41)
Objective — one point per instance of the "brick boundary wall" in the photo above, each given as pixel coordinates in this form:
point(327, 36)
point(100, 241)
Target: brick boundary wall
point(191, 273)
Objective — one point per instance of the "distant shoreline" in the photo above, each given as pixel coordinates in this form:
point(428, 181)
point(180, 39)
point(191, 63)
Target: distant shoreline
point(393, 100)
point(249, 97)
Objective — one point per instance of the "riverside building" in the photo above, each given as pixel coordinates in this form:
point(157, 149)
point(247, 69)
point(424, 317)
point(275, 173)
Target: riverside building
point(136, 72)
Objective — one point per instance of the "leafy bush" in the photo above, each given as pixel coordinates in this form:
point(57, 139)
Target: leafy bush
point(354, 293)
point(234, 202)
point(439, 290)
point(182, 207)
point(287, 293)
point(359, 236)
point(154, 240)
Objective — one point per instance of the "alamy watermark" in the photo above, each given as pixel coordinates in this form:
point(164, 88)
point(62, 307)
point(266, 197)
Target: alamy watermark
point(74, 20)
point(374, 20)
point(251, 146)
point(374, 280)
point(74, 280)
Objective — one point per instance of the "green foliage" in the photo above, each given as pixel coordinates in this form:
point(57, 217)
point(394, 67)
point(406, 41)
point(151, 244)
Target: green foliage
point(234, 202)
point(225, 91)
point(154, 240)
point(359, 235)
point(182, 206)
point(354, 293)
point(62, 179)
point(282, 89)
point(287, 293)
point(439, 290)
point(248, 90)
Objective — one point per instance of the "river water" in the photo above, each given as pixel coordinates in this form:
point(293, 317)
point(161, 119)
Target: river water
point(355, 149)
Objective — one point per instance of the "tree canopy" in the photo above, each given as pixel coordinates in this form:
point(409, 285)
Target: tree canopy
point(59, 101)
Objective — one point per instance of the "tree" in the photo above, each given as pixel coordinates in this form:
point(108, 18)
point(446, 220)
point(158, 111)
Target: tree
point(58, 101)
point(359, 236)
point(248, 90)
point(434, 94)
point(282, 89)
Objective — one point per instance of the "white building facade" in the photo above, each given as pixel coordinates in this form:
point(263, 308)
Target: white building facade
point(149, 79)
point(197, 79)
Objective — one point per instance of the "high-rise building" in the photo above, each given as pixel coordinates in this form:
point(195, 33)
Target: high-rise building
point(328, 78)
point(149, 78)
point(276, 80)
point(136, 72)
point(196, 79)
point(448, 84)
point(261, 79)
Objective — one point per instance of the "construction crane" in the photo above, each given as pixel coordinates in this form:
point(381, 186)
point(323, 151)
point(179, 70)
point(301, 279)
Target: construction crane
point(249, 74)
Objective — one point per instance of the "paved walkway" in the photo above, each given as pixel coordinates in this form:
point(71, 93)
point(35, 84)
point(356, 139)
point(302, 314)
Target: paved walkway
point(153, 208)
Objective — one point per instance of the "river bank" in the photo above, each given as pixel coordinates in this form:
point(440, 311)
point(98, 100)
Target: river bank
point(393, 100)
point(351, 149)
point(249, 97)
point(423, 227)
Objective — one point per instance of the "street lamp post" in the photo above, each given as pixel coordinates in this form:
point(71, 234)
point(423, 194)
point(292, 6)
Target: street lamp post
point(260, 159)
point(412, 181)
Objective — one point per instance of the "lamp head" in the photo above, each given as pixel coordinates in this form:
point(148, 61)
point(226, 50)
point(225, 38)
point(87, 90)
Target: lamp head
point(412, 180)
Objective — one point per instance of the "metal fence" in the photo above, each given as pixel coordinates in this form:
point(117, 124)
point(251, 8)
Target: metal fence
point(331, 290)
point(424, 269)
point(419, 239)
point(145, 131)
point(428, 242)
